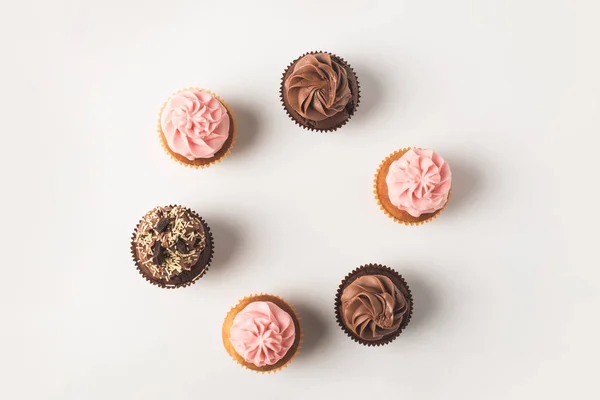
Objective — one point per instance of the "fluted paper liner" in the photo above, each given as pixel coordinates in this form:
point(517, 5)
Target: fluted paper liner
point(200, 162)
point(202, 260)
point(291, 353)
point(380, 190)
point(374, 269)
point(334, 128)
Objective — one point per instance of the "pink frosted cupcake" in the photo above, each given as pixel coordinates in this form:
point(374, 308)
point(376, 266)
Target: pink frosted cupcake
point(196, 128)
point(412, 185)
point(262, 333)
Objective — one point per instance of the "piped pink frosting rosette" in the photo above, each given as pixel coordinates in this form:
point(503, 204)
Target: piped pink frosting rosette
point(419, 182)
point(413, 185)
point(262, 333)
point(196, 127)
point(195, 124)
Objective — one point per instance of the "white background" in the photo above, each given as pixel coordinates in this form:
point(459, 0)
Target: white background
point(505, 281)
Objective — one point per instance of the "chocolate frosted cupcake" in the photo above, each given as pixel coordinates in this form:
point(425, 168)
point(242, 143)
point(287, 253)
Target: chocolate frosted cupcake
point(412, 185)
point(172, 246)
point(262, 333)
point(320, 91)
point(196, 128)
point(373, 305)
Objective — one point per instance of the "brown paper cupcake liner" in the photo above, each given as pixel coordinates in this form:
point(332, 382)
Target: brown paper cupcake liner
point(210, 246)
point(292, 352)
point(200, 162)
point(373, 269)
point(380, 190)
point(334, 128)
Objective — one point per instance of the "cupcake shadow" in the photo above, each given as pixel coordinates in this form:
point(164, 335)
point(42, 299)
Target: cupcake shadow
point(248, 126)
point(228, 242)
point(426, 304)
point(372, 90)
point(466, 182)
point(314, 328)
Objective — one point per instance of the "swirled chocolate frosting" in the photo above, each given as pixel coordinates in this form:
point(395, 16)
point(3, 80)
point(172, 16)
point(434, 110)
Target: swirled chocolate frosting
point(373, 307)
point(169, 240)
point(317, 88)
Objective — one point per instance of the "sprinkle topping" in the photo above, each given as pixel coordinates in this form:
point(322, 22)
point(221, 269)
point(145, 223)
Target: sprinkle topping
point(169, 240)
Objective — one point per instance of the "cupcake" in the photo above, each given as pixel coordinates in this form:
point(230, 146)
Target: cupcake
point(262, 333)
point(172, 247)
point(196, 128)
point(320, 91)
point(412, 185)
point(373, 305)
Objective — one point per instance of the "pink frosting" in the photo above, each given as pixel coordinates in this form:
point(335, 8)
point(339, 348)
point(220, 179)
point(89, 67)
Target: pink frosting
point(419, 182)
point(195, 124)
point(262, 333)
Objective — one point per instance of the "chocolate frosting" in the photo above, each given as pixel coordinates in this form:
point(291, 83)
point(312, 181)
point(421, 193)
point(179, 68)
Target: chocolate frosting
point(373, 307)
point(169, 240)
point(317, 88)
